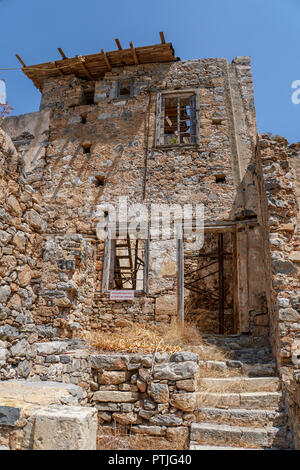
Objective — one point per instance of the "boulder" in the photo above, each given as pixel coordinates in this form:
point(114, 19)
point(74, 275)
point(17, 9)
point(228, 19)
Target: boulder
point(65, 428)
point(175, 371)
point(183, 356)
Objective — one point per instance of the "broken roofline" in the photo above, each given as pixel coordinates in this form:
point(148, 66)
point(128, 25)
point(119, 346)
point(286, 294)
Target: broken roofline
point(94, 66)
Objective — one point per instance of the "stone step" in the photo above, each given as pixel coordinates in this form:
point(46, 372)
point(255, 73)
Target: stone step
point(239, 384)
point(242, 417)
point(230, 367)
point(236, 436)
point(250, 400)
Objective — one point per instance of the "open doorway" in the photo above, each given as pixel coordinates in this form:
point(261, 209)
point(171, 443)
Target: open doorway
point(209, 280)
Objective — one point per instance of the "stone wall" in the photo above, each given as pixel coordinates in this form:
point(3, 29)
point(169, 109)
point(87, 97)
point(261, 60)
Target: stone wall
point(280, 234)
point(21, 225)
point(75, 140)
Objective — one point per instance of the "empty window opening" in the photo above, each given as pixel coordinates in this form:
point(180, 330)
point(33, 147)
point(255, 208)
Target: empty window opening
point(179, 119)
point(89, 93)
point(83, 118)
point(99, 180)
point(220, 179)
point(129, 264)
point(86, 148)
point(125, 88)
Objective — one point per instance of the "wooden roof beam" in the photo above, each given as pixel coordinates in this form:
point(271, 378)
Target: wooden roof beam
point(118, 44)
point(57, 67)
point(62, 53)
point(87, 72)
point(106, 60)
point(135, 58)
point(37, 85)
point(162, 37)
point(20, 60)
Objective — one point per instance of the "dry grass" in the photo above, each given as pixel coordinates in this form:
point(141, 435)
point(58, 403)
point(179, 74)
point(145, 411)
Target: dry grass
point(149, 339)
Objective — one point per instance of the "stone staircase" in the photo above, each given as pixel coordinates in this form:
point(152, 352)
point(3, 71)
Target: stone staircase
point(239, 401)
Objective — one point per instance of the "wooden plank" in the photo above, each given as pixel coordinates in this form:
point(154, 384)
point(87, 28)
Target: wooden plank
point(242, 281)
point(108, 262)
point(180, 274)
point(20, 60)
point(158, 119)
point(136, 61)
point(106, 60)
point(162, 37)
point(62, 53)
point(82, 62)
point(118, 44)
point(58, 69)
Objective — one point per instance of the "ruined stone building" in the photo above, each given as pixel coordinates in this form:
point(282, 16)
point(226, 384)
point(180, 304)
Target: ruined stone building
point(141, 123)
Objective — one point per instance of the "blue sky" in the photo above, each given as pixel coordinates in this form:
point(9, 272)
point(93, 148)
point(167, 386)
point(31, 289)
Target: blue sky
point(267, 30)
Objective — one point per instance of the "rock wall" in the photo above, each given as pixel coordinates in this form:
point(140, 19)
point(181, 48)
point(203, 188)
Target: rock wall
point(21, 225)
point(85, 133)
point(280, 209)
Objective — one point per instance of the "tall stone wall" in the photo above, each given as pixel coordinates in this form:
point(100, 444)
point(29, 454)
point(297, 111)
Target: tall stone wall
point(278, 199)
point(72, 144)
point(21, 226)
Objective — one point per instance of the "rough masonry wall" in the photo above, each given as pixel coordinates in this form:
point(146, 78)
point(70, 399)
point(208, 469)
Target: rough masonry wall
point(114, 139)
point(21, 226)
point(280, 232)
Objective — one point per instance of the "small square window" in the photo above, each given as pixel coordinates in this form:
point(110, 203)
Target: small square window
point(86, 148)
point(125, 88)
point(99, 180)
point(220, 179)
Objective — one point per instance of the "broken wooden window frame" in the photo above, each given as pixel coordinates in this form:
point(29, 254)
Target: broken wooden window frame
point(193, 118)
point(111, 267)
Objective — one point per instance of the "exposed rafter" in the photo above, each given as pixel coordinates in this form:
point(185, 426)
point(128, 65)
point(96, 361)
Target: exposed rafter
point(135, 58)
point(106, 60)
point(62, 53)
point(118, 44)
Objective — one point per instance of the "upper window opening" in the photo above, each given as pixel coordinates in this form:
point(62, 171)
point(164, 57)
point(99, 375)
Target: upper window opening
point(125, 88)
point(177, 123)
